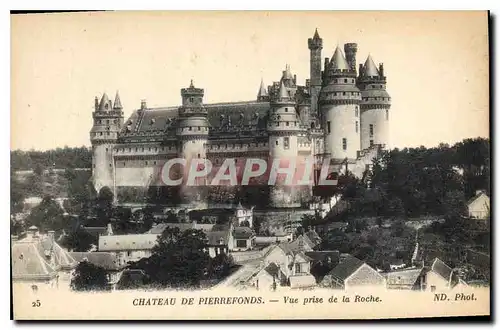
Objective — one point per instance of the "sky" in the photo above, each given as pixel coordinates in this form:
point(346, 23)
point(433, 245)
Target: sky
point(436, 65)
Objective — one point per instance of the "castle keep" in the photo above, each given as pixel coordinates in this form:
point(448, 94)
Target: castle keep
point(342, 114)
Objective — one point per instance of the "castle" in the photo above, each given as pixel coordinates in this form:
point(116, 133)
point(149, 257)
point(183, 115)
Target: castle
point(341, 113)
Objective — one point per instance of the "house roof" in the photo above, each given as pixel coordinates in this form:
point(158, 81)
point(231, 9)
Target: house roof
point(313, 237)
point(406, 277)
point(39, 258)
point(274, 270)
point(441, 269)
point(295, 245)
point(106, 260)
point(324, 256)
point(346, 268)
point(477, 196)
point(243, 232)
point(160, 228)
point(127, 242)
point(215, 237)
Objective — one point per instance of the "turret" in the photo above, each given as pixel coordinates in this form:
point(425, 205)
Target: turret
point(192, 133)
point(315, 45)
point(339, 105)
point(262, 95)
point(283, 128)
point(375, 105)
point(108, 121)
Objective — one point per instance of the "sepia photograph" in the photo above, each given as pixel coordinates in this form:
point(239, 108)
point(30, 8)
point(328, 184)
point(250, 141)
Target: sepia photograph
point(250, 165)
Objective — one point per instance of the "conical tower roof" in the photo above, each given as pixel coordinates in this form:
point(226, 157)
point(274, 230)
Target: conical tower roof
point(370, 69)
point(338, 60)
point(316, 35)
point(104, 102)
point(287, 74)
point(283, 92)
point(118, 103)
point(262, 89)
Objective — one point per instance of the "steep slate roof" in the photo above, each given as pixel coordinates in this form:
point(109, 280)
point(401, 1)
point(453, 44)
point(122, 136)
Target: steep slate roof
point(338, 60)
point(106, 260)
point(127, 242)
point(39, 258)
point(313, 237)
point(243, 232)
point(324, 256)
point(262, 89)
point(441, 269)
point(237, 113)
point(370, 69)
point(295, 245)
point(214, 237)
point(346, 268)
point(475, 197)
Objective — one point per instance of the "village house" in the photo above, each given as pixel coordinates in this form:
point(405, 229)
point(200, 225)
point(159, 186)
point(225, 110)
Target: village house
point(407, 279)
point(294, 267)
point(128, 248)
point(439, 277)
point(479, 206)
point(353, 273)
point(38, 260)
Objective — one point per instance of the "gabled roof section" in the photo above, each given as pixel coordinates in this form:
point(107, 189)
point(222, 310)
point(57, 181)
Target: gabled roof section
point(39, 258)
point(476, 196)
point(338, 60)
point(441, 269)
point(346, 268)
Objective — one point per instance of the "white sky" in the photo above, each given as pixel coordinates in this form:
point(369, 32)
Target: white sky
point(436, 65)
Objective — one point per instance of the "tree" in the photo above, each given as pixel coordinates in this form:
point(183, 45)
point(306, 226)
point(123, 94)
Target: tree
point(245, 223)
point(48, 215)
point(38, 170)
point(89, 277)
point(104, 205)
point(79, 241)
point(220, 266)
point(179, 259)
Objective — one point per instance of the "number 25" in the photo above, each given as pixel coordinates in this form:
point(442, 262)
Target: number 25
point(36, 303)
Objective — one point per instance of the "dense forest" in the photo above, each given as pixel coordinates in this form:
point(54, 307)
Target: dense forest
point(58, 158)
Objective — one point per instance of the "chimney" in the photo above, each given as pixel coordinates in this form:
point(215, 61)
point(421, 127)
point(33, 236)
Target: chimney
point(109, 229)
point(143, 104)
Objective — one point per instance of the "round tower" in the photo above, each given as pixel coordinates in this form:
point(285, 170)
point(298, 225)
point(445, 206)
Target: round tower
point(107, 122)
point(283, 128)
point(375, 105)
point(339, 105)
point(192, 132)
